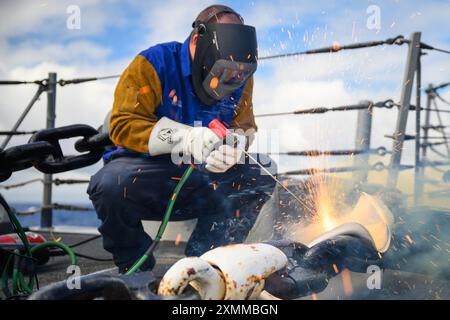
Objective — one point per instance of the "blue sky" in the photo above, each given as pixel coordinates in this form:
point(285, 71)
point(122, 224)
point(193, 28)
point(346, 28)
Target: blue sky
point(34, 40)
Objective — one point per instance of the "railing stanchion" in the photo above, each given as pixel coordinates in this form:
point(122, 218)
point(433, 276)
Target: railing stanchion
point(47, 211)
point(362, 142)
point(418, 177)
point(405, 103)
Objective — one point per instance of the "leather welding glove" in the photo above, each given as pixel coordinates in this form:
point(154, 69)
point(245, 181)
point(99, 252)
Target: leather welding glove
point(229, 154)
point(169, 136)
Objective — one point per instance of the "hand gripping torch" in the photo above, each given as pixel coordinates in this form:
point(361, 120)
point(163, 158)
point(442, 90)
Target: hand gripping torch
point(222, 132)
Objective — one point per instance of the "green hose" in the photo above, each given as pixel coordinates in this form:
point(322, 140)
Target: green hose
point(5, 272)
point(19, 230)
point(164, 222)
point(52, 244)
point(19, 285)
point(18, 280)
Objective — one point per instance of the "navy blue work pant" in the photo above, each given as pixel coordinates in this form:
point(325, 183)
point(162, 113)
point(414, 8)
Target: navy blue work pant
point(130, 189)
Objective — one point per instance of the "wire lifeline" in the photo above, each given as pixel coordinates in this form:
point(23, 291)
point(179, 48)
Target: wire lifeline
point(378, 166)
point(381, 151)
point(56, 182)
point(16, 82)
point(428, 47)
point(399, 40)
point(433, 90)
point(16, 133)
point(437, 95)
point(41, 89)
point(439, 153)
point(386, 104)
point(63, 82)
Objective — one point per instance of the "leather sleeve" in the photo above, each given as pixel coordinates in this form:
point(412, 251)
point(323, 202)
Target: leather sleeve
point(244, 117)
point(137, 95)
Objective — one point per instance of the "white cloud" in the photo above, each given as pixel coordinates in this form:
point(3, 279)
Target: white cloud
point(31, 53)
point(49, 17)
point(170, 20)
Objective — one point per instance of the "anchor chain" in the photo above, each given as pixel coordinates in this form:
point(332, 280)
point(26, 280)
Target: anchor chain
point(44, 152)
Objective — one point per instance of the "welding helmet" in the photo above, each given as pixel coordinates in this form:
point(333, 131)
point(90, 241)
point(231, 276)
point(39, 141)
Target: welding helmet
point(225, 57)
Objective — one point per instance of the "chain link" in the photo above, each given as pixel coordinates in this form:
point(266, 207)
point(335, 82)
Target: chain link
point(43, 151)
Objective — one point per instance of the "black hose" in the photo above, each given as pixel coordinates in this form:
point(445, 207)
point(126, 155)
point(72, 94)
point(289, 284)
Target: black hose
point(77, 244)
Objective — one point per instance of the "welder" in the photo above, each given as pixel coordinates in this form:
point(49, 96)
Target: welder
point(163, 104)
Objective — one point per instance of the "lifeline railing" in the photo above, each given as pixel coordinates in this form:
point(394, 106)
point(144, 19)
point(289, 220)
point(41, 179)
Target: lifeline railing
point(363, 136)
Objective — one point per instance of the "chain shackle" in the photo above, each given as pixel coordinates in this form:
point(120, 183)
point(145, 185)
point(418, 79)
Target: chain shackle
point(58, 162)
point(5, 172)
point(99, 141)
point(23, 157)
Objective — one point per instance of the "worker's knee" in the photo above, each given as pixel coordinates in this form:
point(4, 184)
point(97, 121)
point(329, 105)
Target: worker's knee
point(106, 186)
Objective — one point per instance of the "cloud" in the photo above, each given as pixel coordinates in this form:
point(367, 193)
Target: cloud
point(170, 20)
point(30, 53)
point(20, 18)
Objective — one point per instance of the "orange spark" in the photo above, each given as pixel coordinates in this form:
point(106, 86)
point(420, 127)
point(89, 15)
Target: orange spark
point(336, 46)
point(335, 268)
point(214, 83)
point(178, 239)
point(409, 239)
point(144, 90)
point(347, 282)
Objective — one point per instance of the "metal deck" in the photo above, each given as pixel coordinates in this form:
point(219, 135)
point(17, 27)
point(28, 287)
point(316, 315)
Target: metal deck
point(55, 270)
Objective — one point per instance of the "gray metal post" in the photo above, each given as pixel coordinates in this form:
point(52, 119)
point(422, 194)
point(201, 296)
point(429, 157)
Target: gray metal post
point(362, 142)
point(47, 211)
point(19, 121)
point(426, 127)
point(419, 183)
point(417, 162)
point(441, 123)
point(405, 100)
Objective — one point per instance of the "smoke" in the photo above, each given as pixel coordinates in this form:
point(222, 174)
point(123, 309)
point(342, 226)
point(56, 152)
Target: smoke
point(419, 247)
